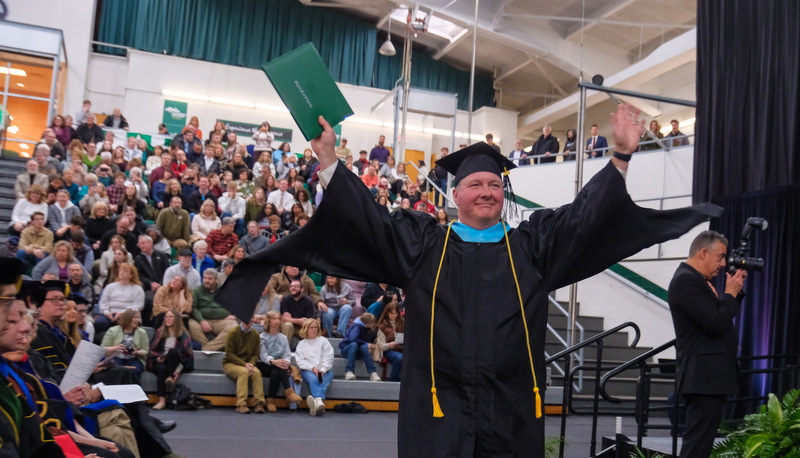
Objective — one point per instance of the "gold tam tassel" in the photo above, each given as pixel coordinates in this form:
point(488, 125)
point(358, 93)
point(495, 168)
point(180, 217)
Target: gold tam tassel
point(437, 411)
point(538, 402)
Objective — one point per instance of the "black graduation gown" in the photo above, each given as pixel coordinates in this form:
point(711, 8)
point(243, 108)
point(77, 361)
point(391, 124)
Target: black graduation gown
point(482, 373)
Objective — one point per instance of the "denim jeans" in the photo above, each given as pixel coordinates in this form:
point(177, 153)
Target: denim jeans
point(342, 312)
point(317, 389)
point(443, 185)
point(29, 259)
point(353, 350)
point(396, 360)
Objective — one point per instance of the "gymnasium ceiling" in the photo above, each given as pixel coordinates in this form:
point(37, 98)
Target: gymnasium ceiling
point(535, 49)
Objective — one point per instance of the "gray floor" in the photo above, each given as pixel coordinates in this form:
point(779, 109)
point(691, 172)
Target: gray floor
point(222, 432)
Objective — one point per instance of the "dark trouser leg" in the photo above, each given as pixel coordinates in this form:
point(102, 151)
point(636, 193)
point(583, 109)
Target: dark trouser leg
point(703, 416)
point(165, 370)
point(277, 377)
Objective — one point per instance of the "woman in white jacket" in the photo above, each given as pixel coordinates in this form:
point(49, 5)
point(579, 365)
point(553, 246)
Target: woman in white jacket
point(314, 357)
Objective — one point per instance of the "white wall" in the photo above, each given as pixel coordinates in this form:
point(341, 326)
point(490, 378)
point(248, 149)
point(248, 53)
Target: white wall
point(135, 84)
point(75, 18)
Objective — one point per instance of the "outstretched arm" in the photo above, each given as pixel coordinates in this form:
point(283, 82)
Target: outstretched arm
point(627, 128)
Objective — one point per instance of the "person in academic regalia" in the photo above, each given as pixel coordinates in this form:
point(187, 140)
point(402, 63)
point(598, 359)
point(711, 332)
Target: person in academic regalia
point(473, 386)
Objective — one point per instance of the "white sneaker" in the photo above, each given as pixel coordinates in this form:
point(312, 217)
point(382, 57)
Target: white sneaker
point(375, 377)
point(320, 407)
point(312, 405)
point(349, 376)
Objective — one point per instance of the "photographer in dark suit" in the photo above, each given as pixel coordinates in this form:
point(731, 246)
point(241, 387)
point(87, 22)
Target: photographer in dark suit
point(706, 339)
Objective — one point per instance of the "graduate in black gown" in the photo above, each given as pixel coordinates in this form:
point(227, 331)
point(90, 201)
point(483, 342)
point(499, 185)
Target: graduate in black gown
point(485, 401)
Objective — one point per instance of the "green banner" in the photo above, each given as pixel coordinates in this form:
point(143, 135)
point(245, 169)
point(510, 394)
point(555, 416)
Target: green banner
point(146, 137)
point(175, 116)
point(244, 129)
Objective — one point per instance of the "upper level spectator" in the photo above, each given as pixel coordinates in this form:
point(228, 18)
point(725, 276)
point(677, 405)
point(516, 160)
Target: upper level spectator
point(208, 163)
point(646, 143)
point(380, 152)
point(58, 264)
point(570, 145)
point(490, 142)
point(339, 300)
point(200, 259)
point(157, 173)
point(30, 177)
point(83, 114)
point(89, 132)
point(675, 136)
point(116, 120)
point(91, 158)
point(546, 145)
point(370, 177)
point(517, 156)
point(596, 145)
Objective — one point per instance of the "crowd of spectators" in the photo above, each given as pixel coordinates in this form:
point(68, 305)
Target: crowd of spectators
point(143, 236)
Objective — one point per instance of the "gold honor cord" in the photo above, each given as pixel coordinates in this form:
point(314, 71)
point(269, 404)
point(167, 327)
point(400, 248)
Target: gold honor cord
point(525, 325)
point(437, 410)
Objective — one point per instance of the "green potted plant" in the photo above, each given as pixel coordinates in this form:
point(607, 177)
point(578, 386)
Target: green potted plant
point(772, 432)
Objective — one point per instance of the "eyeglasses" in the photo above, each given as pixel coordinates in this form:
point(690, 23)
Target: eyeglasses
point(6, 301)
point(82, 311)
point(61, 299)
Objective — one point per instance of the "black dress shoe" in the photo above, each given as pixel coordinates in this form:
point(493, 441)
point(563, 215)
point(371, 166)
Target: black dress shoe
point(166, 426)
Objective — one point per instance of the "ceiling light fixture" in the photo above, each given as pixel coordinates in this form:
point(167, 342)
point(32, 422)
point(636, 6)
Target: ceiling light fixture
point(387, 48)
point(20, 85)
point(13, 71)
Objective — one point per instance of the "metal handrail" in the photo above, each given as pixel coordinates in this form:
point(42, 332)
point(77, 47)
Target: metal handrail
point(567, 355)
point(593, 339)
point(432, 184)
point(579, 385)
point(635, 361)
point(535, 159)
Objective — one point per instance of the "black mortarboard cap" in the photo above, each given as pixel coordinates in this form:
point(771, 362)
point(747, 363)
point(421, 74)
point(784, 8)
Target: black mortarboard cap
point(11, 270)
point(479, 157)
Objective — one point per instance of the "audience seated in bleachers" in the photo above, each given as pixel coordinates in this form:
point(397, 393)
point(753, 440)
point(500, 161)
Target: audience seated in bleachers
point(170, 355)
point(314, 357)
point(355, 345)
point(208, 317)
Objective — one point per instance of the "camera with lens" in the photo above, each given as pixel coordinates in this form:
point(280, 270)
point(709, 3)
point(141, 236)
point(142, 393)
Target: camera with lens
point(130, 349)
point(740, 257)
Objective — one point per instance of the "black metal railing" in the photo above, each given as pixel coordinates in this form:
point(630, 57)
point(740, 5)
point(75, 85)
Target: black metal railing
point(598, 367)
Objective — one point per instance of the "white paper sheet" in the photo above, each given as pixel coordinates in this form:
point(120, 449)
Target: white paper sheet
point(124, 394)
point(82, 365)
point(399, 337)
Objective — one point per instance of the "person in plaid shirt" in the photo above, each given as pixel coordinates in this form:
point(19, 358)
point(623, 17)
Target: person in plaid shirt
point(116, 191)
point(221, 241)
